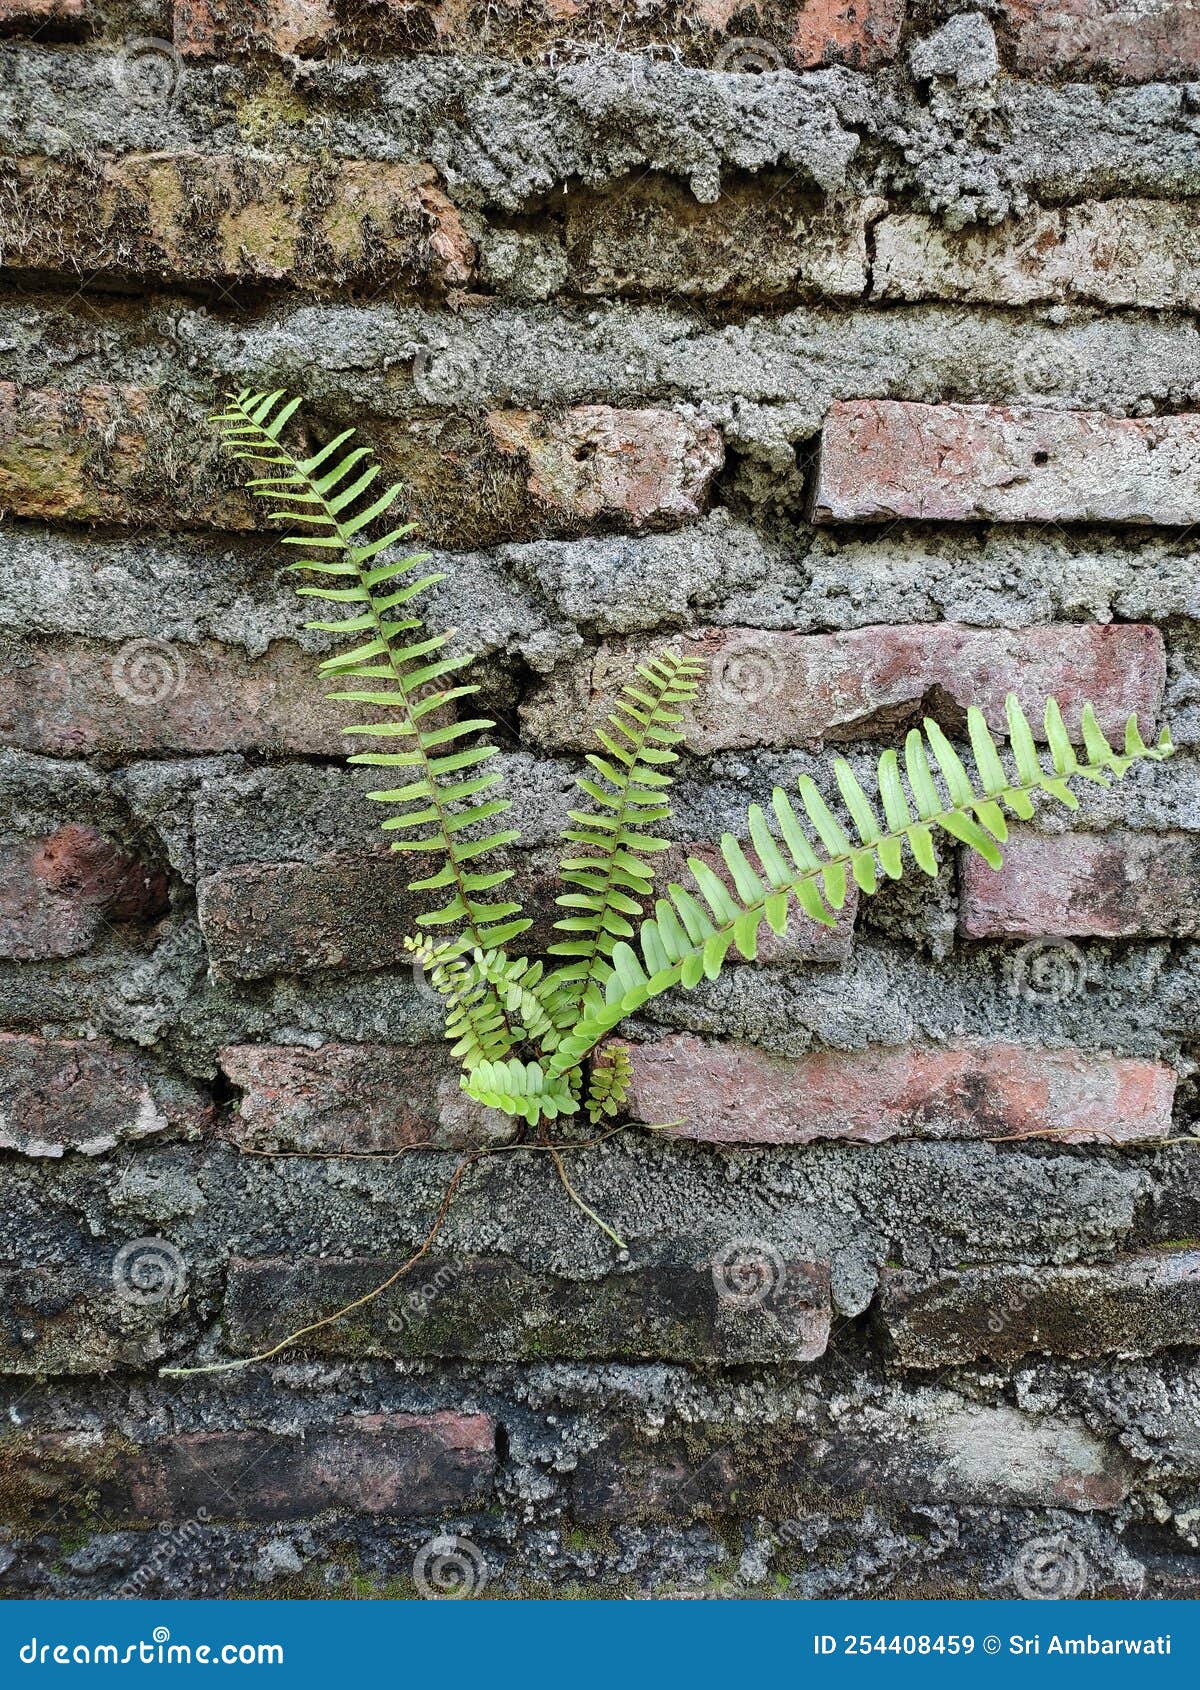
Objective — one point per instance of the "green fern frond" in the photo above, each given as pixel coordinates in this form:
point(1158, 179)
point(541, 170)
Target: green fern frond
point(610, 866)
point(521, 1088)
point(492, 1000)
point(689, 938)
point(391, 665)
point(608, 1083)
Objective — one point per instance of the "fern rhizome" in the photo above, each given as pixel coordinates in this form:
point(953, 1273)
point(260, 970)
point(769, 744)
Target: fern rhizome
point(527, 1031)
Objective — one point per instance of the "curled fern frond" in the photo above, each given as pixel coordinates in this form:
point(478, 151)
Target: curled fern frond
point(610, 866)
point(689, 937)
point(443, 803)
point(521, 1088)
point(608, 1083)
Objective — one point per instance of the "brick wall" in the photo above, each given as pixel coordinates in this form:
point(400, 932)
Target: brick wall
point(848, 344)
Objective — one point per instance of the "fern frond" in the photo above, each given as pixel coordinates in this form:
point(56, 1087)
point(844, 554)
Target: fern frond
point(689, 937)
point(609, 1082)
point(391, 664)
point(609, 863)
point(521, 1088)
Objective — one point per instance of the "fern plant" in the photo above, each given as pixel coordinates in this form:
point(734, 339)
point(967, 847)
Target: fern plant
point(527, 1031)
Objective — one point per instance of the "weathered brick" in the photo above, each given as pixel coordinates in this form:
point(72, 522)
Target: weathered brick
point(203, 28)
point(36, 12)
point(291, 918)
point(353, 1099)
point(884, 458)
point(758, 241)
point(77, 698)
point(71, 1321)
point(1080, 885)
point(862, 33)
point(784, 689)
point(87, 1095)
point(58, 891)
point(642, 468)
point(738, 1094)
point(940, 1450)
point(1134, 1305)
point(352, 911)
point(494, 1309)
point(1115, 252)
point(217, 217)
point(1126, 40)
point(791, 33)
point(370, 1463)
point(103, 453)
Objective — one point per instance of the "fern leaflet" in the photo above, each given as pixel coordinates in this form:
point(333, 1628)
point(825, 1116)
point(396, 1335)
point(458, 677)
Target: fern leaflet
point(392, 666)
point(689, 938)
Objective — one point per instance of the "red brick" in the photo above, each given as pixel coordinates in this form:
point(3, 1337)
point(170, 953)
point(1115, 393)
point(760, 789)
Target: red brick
point(1090, 886)
point(43, 11)
point(493, 1309)
point(883, 458)
point(930, 1448)
point(784, 689)
point(1124, 40)
point(353, 1099)
point(343, 912)
point(103, 453)
point(761, 240)
point(59, 891)
point(1138, 252)
point(353, 912)
point(738, 1094)
point(62, 699)
point(206, 216)
point(644, 468)
point(1131, 1306)
point(368, 1464)
point(861, 33)
point(87, 1095)
point(69, 1320)
point(210, 27)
